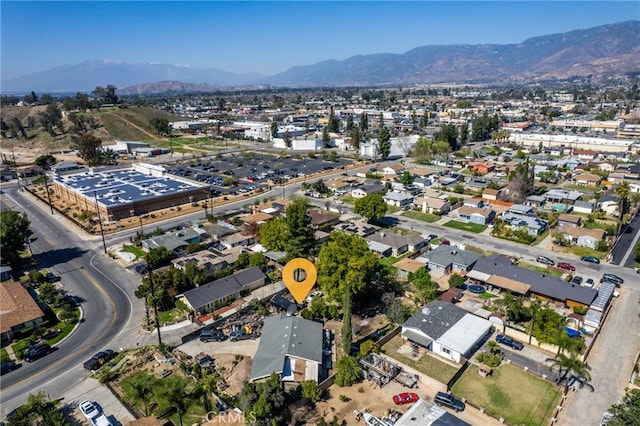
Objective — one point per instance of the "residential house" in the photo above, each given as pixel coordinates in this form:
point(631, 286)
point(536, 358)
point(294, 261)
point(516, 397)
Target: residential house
point(583, 237)
point(476, 215)
point(394, 169)
point(450, 259)
point(237, 239)
point(173, 241)
point(212, 295)
point(562, 196)
point(209, 260)
point(533, 225)
point(321, 219)
point(398, 199)
point(364, 190)
point(433, 205)
point(482, 168)
point(407, 266)
point(379, 249)
point(274, 208)
point(498, 271)
point(521, 210)
point(603, 166)
point(585, 154)
point(291, 347)
point(587, 207)
point(476, 184)
point(18, 310)
point(360, 228)
point(587, 179)
point(473, 202)
point(399, 243)
point(257, 218)
point(566, 219)
point(609, 204)
point(447, 331)
point(535, 201)
point(490, 194)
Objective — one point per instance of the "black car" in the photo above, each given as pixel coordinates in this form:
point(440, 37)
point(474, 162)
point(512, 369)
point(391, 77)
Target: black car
point(99, 359)
point(37, 352)
point(577, 279)
point(8, 366)
point(448, 400)
point(212, 336)
point(613, 278)
point(52, 278)
point(508, 341)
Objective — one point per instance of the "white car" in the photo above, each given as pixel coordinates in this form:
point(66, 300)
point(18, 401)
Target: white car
point(101, 420)
point(339, 202)
point(89, 409)
point(313, 294)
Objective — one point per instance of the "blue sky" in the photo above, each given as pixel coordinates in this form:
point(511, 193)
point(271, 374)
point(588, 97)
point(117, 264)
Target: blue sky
point(270, 37)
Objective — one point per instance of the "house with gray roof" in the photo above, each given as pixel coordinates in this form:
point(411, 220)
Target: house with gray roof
point(533, 225)
point(173, 240)
point(498, 271)
point(447, 331)
point(449, 259)
point(291, 347)
point(587, 207)
point(398, 199)
point(210, 296)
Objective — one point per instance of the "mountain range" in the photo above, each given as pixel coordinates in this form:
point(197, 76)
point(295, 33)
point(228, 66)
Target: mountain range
point(596, 52)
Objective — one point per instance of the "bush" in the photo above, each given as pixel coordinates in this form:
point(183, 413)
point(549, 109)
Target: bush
point(456, 280)
point(347, 372)
point(580, 310)
point(306, 314)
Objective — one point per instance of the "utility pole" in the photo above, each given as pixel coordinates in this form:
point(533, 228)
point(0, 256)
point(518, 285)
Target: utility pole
point(46, 187)
point(104, 243)
point(153, 300)
point(15, 168)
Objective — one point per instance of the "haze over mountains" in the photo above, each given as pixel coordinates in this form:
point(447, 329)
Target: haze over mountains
point(596, 52)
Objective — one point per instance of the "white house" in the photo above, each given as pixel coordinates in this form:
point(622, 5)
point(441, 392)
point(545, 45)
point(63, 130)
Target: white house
point(398, 199)
point(447, 331)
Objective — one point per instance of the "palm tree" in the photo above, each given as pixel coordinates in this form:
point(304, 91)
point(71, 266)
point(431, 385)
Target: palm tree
point(176, 392)
point(622, 190)
point(142, 391)
point(570, 370)
point(535, 307)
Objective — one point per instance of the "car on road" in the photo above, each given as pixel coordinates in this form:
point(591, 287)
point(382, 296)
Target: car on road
point(98, 360)
point(405, 398)
point(52, 278)
point(590, 259)
point(339, 201)
point(448, 400)
point(9, 366)
point(89, 409)
point(613, 278)
point(37, 352)
point(212, 336)
point(508, 341)
point(566, 266)
point(545, 260)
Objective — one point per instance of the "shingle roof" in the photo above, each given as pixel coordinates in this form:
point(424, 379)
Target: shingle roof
point(499, 265)
point(435, 319)
point(219, 289)
point(284, 336)
point(447, 255)
point(16, 306)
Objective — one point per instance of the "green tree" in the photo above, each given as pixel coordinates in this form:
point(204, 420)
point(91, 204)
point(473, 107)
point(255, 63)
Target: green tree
point(45, 161)
point(397, 313)
point(15, 230)
point(158, 256)
point(456, 280)
point(406, 178)
point(356, 137)
point(309, 389)
point(364, 122)
point(176, 392)
point(274, 234)
point(623, 190)
point(371, 206)
point(141, 389)
point(347, 330)
point(347, 372)
point(570, 370)
point(161, 126)
point(384, 143)
point(274, 129)
point(325, 138)
point(50, 294)
point(367, 347)
point(627, 413)
point(345, 263)
point(38, 410)
point(449, 134)
point(89, 149)
point(301, 233)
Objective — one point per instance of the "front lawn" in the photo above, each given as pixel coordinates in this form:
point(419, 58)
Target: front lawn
point(518, 397)
point(585, 251)
point(4, 355)
point(427, 364)
point(425, 217)
point(136, 251)
point(470, 227)
point(543, 270)
point(171, 316)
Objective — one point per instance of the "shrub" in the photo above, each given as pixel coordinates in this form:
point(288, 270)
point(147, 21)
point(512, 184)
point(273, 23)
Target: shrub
point(580, 310)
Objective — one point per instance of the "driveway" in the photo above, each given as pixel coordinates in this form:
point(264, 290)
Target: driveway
point(241, 347)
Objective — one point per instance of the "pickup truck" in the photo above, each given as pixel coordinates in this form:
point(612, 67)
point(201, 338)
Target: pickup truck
point(508, 341)
point(241, 335)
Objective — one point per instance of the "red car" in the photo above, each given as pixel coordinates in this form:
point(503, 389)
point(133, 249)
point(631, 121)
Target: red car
point(566, 266)
point(405, 398)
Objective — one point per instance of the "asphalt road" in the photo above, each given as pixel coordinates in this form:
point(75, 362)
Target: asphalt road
point(628, 239)
point(88, 275)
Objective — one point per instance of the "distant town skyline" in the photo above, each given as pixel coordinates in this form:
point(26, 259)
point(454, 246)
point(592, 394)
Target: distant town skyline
point(270, 37)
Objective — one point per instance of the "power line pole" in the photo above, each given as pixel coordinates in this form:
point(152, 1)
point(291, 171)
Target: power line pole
point(104, 243)
point(153, 299)
point(46, 186)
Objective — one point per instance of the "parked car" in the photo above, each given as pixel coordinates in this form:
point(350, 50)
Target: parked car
point(590, 259)
point(314, 294)
point(508, 341)
point(52, 278)
point(448, 400)
point(9, 366)
point(612, 278)
point(589, 283)
point(89, 409)
point(566, 266)
point(212, 336)
point(545, 260)
point(577, 279)
point(405, 398)
point(99, 359)
point(37, 352)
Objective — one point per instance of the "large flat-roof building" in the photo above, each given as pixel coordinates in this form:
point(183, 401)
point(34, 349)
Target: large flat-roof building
point(122, 193)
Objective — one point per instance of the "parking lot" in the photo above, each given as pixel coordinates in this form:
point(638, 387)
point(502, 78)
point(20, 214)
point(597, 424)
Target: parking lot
point(242, 173)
